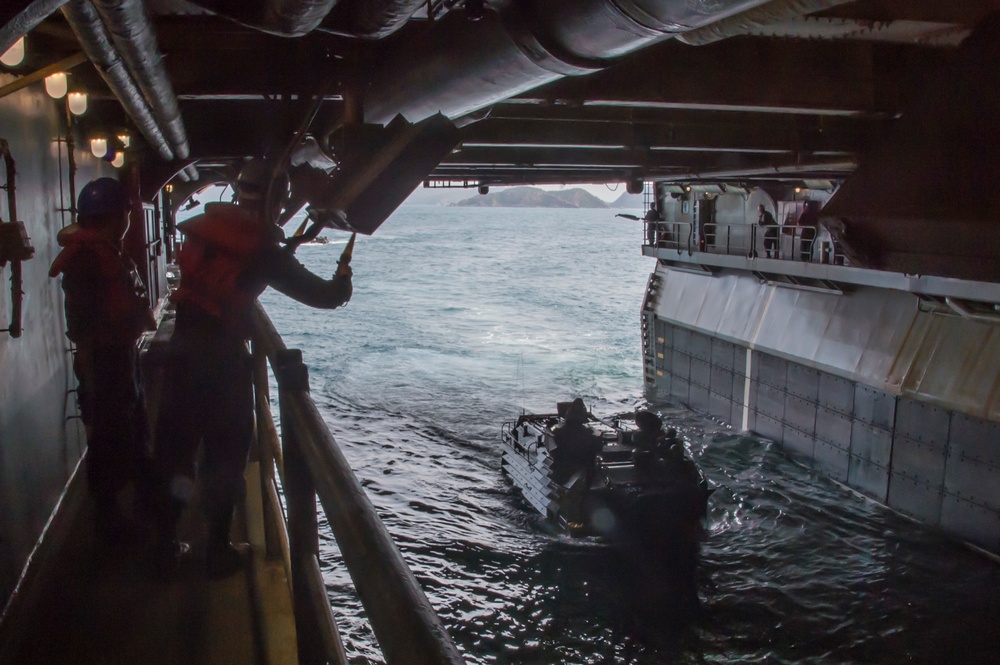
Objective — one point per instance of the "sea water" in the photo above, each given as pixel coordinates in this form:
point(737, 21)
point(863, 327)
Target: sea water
point(461, 319)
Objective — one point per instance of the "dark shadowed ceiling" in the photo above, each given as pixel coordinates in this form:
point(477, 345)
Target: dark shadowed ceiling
point(547, 90)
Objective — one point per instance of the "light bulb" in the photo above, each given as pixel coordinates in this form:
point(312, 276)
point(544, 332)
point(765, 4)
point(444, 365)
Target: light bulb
point(13, 56)
point(56, 85)
point(99, 147)
point(77, 103)
point(118, 160)
point(124, 138)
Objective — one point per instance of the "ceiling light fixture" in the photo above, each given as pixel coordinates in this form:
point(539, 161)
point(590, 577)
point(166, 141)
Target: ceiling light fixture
point(118, 160)
point(56, 85)
point(124, 138)
point(77, 102)
point(13, 56)
point(99, 147)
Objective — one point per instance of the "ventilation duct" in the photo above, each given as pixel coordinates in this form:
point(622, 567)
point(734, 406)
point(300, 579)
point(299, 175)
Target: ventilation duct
point(461, 65)
point(285, 18)
point(87, 26)
point(133, 37)
point(753, 20)
point(370, 19)
point(16, 24)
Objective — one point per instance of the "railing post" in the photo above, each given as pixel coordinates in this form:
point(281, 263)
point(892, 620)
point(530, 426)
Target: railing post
point(265, 448)
point(406, 626)
point(300, 499)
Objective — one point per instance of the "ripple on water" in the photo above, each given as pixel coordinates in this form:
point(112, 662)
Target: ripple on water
point(451, 332)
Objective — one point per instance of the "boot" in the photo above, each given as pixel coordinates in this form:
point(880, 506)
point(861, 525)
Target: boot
point(224, 558)
point(168, 551)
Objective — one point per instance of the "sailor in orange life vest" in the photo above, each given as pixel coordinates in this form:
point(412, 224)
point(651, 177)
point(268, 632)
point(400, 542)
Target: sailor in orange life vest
point(106, 313)
point(231, 253)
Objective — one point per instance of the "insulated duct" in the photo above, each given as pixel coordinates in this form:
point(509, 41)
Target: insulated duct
point(89, 29)
point(16, 24)
point(285, 18)
point(296, 17)
point(462, 65)
point(367, 19)
point(754, 19)
point(370, 19)
point(606, 29)
point(133, 36)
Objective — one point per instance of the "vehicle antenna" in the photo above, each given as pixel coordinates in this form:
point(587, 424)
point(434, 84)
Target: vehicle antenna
point(520, 377)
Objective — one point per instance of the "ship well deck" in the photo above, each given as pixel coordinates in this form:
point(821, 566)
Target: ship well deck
point(97, 603)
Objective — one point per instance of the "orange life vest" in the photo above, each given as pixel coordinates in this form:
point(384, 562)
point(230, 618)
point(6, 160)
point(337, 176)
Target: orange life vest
point(217, 260)
point(105, 297)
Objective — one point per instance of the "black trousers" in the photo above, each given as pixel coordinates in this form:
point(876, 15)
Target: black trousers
point(114, 414)
point(208, 403)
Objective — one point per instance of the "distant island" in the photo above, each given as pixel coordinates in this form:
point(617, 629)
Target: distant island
point(520, 197)
point(533, 197)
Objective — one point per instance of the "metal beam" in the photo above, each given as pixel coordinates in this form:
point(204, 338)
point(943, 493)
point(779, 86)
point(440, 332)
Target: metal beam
point(757, 74)
point(63, 65)
point(236, 128)
point(235, 73)
point(761, 133)
point(582, 157)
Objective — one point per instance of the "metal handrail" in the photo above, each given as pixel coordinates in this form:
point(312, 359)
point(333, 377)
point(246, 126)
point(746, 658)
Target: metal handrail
point(669, 235)
point(794, 242)
point(406, 626)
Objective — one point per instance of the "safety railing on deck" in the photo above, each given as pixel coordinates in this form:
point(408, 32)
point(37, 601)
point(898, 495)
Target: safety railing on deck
point(789, 242)
point(670, 235)
point(309, 464)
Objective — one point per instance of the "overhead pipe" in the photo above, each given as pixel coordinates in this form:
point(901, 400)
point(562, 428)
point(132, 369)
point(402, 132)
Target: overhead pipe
point(93, 37)
point(606, 29)
point(752, 20)
point(296, 17)
point(367, 19)
point(133, 36)
point(19, 24)
point(285, 18)
point(370, 19)
point(462, 65)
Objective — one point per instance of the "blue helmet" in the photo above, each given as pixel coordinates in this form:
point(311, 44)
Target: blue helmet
point(100, 198)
